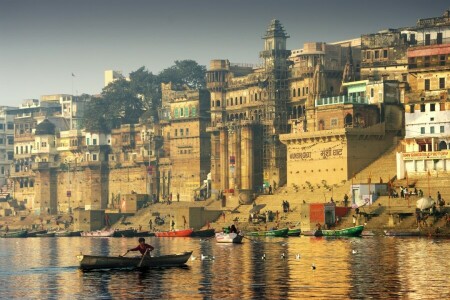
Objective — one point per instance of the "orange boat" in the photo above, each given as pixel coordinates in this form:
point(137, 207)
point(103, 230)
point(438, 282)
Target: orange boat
point(175, 233)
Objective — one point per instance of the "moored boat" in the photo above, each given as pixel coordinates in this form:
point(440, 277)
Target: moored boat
point(90, 262)
point(294, 232)
point(63, 233)
point(350, 231)
point(124, 233)
point(34, 233)
point(46, 234)
point(276, 232)
point(203, 233)
point(15, 234)
point(235, 238)
point(402, 233)
point(99, 233)
point(175, 233)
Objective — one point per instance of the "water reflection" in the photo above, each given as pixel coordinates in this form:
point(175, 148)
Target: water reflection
point(346, 268)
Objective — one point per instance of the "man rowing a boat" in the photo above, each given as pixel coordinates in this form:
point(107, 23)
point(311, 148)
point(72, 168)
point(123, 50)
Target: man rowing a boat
point(142, 247)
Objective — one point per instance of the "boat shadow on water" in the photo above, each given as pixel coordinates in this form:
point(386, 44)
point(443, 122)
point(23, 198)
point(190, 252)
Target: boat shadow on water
point(141, 270)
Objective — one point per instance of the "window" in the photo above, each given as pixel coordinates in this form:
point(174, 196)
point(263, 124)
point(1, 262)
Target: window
point(422, 107)
point(1, 141)
point(432, 129)
point(181, 112)
point(94, 156)
point(10, 140)
point(88, 140)
point(404, 77)
point(306, 90)
point(427, 39)
point(298, 92)
point(2, 126)
point(442, 60)
point(439, 38)
point(2, 170)
point(293, 92)
point(334, 122)
point(422, 130)
point(21, 149)
point(377, 54)
point(176, 132)
point(441, 129)
point(442, 83)
point(432, 107)
point(17, 149)
point(385, 53)
point(44, 144)
point(186, 111)
point(181, 132)
point(372, 92)
point(256, 96)
point(94, 141)
point(427, 61)
point(411, 108)
point(187, 131)
point(412, 38)
point(10, 125)
point(240, 100)
point(10, 155)
point(427, 84)
point(368, 54)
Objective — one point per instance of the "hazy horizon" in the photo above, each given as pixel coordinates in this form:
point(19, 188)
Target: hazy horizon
point(44, 42)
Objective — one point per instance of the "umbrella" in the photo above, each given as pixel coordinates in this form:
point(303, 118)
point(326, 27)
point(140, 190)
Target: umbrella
point(257, 208)
point(424, 203)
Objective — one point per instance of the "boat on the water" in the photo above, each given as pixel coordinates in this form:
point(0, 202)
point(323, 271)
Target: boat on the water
point(350, 231)
point(99, 233)
point(203, 233)
point(175, 233)
point(143, 233)
point(15, 234)
point(402, 233)
point(34, 233)
point(90, 262)
point(124, 233)
point(46, 234)
point(276, 232)
point(235, 238)
point(294, 232)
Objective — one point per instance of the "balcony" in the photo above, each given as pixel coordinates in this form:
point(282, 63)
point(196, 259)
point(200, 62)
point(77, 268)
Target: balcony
point(341, 100)
point(431, 42)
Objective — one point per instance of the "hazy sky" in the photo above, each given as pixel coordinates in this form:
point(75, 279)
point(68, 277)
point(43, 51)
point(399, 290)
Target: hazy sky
point(42, 42)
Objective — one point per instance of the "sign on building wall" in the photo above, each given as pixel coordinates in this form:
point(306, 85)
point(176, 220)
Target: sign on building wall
point(316, 154)
point(426, 155)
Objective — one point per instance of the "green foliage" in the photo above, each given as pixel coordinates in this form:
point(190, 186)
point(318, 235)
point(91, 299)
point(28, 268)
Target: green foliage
point(125, 102)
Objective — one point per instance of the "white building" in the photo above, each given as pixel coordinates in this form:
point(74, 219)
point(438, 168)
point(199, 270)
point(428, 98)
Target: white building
point(6, 143)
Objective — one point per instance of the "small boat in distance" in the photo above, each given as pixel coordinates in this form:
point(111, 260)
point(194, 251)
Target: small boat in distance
point(175, 233)
point(235, 238)
point(276, 232)
point(99, 233)
point(294, 232)
point(402, 233)
point(15, 234)
point(46, 234)
point(90, 262)
point(350, 231)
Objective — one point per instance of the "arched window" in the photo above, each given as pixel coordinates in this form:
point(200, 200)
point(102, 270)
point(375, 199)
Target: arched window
point(235, 101)
point(240, 100)
point(293, 93)
point(176, 113)
point(217, 103)
point(321, 125)
point(348, 120)
point(256, 96)
point(442, 146)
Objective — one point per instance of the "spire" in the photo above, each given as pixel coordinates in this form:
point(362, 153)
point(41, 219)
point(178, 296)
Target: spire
point(275, 29)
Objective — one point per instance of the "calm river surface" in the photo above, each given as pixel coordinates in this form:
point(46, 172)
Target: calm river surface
point(382, 267)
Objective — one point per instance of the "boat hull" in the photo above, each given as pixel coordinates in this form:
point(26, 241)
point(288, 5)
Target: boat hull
point(351, 231)
point(294, 232)
point(401, 233)
point(276, 233)
point(230, 238)
point(98, 233)
point(175, 233)
point(15, 234)
point(89, 262)
point(47, 234)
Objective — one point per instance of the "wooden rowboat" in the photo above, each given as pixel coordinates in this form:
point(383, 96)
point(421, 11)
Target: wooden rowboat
point(350, 231)
point(15, 234)
point(90, 262)
point(294, 232)
point(235, 238)
point(402, 233)
point(99, 233)
point(175, 233)
point(34, 233)
point(277, 233)
point(203, 233)
point(46, 234)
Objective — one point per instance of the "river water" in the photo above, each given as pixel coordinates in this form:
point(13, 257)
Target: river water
point(353, 268)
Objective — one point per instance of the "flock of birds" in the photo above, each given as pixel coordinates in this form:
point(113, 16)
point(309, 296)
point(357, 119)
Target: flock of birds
point(263, 257)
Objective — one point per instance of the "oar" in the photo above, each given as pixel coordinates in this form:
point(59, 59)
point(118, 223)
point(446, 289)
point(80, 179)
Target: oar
point(142, 259)
point(123, 254)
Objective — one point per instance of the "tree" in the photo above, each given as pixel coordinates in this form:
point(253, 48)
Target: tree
point(187, 72)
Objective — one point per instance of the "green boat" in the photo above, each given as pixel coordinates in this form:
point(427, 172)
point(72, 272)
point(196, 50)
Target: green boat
point(15, 234)
point(277, 232)
point(294, 232)
point(351, 231)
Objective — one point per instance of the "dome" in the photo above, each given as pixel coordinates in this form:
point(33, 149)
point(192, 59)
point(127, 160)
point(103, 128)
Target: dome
point(45, 127)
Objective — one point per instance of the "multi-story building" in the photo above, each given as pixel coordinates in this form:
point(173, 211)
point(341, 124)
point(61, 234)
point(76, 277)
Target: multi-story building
point(6, 143)
point(427, 106)
point(185, 160)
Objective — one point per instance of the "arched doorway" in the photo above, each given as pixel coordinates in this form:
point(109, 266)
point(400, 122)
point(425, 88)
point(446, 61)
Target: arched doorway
point(348, 120)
